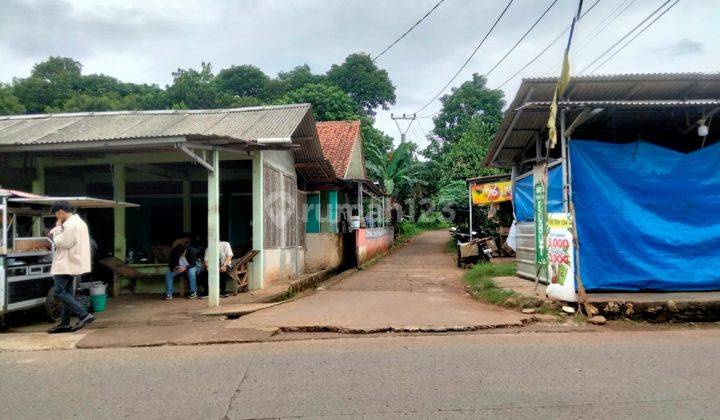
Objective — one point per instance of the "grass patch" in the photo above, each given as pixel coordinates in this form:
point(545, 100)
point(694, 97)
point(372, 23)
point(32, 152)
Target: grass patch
point(482, 286)
point(407, 230)
point(452, 246)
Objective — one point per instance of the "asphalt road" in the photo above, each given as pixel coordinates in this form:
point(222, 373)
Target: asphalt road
point(661, 374)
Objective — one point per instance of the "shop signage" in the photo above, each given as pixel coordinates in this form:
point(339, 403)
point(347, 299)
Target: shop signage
point(491, 192)
point(561, 257)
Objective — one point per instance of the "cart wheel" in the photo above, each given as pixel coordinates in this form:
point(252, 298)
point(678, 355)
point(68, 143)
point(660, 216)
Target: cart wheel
point(53, 307)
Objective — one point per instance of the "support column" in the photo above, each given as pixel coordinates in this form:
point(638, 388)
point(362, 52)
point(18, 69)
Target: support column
point(38, 187)
point(563, 153)
point(187, 206)
point(258, 215)
point(213, 220)
point(118, 180)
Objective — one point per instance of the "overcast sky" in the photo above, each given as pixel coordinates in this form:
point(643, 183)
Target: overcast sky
point(145, 40)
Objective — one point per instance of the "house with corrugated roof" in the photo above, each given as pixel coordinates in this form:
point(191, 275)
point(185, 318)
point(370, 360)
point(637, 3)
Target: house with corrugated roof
point(345, 223)
point(235, 175)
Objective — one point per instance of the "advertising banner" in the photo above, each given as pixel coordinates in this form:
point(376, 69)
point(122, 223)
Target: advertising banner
point(561, 258)
point(491, 192)
point(540, 209)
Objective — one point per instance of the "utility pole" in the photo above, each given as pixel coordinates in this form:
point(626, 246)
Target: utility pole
point(404, 117)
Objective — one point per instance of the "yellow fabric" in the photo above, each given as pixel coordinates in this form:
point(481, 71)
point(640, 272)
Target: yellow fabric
point(559, 91)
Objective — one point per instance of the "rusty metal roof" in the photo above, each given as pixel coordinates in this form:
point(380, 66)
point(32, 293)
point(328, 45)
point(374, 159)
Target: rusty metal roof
point(640, 94)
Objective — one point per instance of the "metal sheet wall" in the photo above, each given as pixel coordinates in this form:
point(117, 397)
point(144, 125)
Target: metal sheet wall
point(526, 251)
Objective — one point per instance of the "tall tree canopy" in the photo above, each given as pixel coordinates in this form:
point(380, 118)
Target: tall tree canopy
point(368, 85)
point(193, 89)
point(242, 80)
point(330, 103)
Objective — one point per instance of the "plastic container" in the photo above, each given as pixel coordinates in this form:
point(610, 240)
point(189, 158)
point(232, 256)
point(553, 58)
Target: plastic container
point(98, 302)
point(97, 288)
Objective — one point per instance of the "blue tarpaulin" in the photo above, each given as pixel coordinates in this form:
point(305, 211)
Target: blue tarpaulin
point(648, 218)
point(523, 195)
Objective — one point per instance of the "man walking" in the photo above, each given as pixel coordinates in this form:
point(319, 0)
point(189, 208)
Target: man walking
point(72, 258)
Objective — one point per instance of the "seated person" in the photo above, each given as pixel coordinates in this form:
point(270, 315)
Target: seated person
point(225, 255)
point(182, 261)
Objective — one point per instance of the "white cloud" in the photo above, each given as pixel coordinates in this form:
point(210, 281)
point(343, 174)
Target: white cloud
point(144, 41)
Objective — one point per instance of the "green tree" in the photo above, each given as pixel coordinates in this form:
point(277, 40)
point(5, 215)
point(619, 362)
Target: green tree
point(83, 102)
point(472, 100)
point(298, 77)
point(51, 83)
point(242, 80)
point(9, 103)
point(192, 88)
point(395, 169)
point(369, 86)
point(329, 103)
point(465, 158)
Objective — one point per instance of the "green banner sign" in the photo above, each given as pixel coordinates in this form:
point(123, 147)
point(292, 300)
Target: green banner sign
point(540, 217)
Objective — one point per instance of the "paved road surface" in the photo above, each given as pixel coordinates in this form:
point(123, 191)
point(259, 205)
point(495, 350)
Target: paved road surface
point(668, 374)
point(416, 287)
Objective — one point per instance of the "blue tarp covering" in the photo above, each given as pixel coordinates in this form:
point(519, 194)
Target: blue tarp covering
point(648, 218)
point(523, 195)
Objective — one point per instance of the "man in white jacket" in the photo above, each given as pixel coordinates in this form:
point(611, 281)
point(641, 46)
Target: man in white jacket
point(72, 258)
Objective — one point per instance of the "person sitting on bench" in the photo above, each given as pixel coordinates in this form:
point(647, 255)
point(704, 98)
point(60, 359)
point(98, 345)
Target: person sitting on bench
point(182, 261)
point(225, 255)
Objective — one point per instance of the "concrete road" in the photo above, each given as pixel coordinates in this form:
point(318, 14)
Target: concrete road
point(660, 374)
point(417, 287)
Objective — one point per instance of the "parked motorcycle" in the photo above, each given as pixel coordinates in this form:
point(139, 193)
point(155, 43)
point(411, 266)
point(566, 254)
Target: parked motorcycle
point(471, 249)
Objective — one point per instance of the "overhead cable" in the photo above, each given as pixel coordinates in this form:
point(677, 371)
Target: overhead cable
point(392, 44)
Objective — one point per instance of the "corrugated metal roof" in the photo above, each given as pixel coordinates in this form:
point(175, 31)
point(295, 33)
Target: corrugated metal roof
point(248, 124)
point(625, 104)
point(640, 91)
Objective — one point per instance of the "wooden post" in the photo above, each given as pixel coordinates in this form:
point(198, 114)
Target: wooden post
point(38, 187)
point(187, 206)
point(212, 252)
point(258, 215)
point(118, 180)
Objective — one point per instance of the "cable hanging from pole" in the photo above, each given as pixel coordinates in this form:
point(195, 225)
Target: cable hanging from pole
point(604, 53)
point(492, 28)
point(633, 38)
point(392, 44)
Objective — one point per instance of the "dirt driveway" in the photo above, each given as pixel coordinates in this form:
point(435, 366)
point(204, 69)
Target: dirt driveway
point(416, 288)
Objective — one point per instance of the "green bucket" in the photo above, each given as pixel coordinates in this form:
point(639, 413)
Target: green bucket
point(98, 302)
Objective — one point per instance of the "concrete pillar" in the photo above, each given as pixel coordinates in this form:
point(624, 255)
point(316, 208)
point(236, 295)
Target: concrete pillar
point(118, 180)
point(258, 215)
point(187, 206)
point(38, 187)
point(213, 220)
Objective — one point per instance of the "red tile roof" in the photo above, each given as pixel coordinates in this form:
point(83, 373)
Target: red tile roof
point(337, 139)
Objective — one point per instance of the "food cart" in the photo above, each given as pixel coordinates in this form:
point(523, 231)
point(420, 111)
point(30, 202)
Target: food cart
point(25, 258)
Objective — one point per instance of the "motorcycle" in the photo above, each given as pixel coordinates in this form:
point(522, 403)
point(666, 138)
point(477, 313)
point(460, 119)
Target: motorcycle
point(471, 249)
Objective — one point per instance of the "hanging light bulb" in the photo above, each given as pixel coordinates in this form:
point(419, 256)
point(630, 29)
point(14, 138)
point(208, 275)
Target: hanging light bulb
point(703, 129)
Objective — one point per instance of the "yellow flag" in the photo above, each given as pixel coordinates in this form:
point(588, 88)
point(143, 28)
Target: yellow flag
point(559, 90)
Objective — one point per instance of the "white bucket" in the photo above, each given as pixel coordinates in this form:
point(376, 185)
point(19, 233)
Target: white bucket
point(97, 288)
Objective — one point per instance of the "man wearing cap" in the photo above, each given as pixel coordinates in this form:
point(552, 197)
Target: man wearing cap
point(72, 258)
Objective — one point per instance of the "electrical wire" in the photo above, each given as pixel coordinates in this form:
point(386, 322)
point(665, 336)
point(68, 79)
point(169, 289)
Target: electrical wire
point(469, 58)
point(605, 23)
point(604, 53)
point(544, 50)
point(409, 30)
point(633, 38)
point(595, 32)
point(522, 38)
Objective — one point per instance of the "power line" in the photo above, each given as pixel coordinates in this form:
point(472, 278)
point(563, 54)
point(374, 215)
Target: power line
point(595, 32)
point(469, 58)
point(409, 30)
point(521, 38)
point(544, 50)
point(605, 23)
point(636, 35)
point(600, 57)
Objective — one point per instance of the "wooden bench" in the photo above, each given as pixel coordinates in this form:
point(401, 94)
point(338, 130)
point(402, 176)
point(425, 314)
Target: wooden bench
point(120, 269)
point(239, 271)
